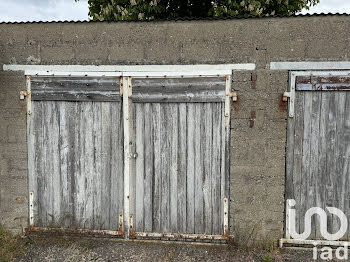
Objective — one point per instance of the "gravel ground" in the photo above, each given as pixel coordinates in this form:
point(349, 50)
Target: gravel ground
point(63, 248)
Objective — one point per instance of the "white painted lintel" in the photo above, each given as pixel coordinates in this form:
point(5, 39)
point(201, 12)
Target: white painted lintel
point(127, 68)
point(325, 65)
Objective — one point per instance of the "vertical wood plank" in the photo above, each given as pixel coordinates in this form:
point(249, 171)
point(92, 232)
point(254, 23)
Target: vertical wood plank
point(166, 127)
point(149, 170)
point(42, 178)
point(173, 165)
point(331, 161)
point(206, 143)
point(156, 183)
point(305, 168)
point(117, 160)
point(346, 164)
point(140, 167)
point(106, 152)
point(215, 169)
point(297, 154)
point(182, 169)
point(73, 159)
point(64, 150)
point(80, 174)
point(199, 154)
point(339, 179)
point(89, 165)
point(190, 163)
point(322, 159)
point(314, 138)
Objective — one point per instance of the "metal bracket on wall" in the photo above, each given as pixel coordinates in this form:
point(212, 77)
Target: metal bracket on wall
point(28, 95)
point(228, 95)
point(31, 208)
point(291, 94)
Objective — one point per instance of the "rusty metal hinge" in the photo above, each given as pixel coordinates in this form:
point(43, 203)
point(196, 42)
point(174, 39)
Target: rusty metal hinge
point(23, 94)
point(233, 95)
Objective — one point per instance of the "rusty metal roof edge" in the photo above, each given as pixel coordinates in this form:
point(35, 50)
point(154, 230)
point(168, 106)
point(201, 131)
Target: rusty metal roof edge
point(182, 19)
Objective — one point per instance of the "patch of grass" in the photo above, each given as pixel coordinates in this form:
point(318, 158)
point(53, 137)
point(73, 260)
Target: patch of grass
point(267, 258)
point(10, 246)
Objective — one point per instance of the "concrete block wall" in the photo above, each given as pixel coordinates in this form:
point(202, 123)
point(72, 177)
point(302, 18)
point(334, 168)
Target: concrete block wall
point(258, 128)
point(13, 153)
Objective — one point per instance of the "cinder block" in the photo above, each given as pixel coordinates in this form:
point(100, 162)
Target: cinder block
point(56, 54)
point(128, 54)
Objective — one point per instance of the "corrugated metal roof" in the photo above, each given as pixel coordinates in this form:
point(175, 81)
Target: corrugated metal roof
point(184, 19)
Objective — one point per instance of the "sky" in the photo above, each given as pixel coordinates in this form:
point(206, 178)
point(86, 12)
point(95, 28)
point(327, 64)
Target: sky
point(58, 10)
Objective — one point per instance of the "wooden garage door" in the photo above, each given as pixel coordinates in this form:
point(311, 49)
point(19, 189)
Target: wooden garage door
point(75, 143)
point(318, 149)
point(181, 172)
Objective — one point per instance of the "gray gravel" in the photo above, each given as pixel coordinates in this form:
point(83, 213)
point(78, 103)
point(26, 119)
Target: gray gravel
point(63, 248)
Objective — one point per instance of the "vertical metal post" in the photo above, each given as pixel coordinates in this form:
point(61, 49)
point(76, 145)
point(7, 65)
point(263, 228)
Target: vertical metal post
point(292, 78)
point(121, 228)
point(228, 95)
point(226, 217)
point(31, 208)
point(127, 153)
point(288, 224)
point(29, 98)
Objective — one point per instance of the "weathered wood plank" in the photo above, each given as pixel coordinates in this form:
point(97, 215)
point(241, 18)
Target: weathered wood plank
point(346, 164)
point(76, 83)
point(178, 90)
point(105, 158)
point(64, 151)
point(216, 169)
point(297, 154)
point(165, 125)
point(75, 89)
point(331, 161)
point(97, 182)
point(117, 164)
point(43, 182)
point(199, 154)
point(182, 169)
point(157, 186)
point(322, 83)
point(140, 167)
point(206, 141)
point(314, 176)
point(322, 159)
point(149, 169)
point(191, 171)
point(73, 159)
point(74, 95)
point(306, 156)
point(173, 165)
point(80, 174)
point(339, 179)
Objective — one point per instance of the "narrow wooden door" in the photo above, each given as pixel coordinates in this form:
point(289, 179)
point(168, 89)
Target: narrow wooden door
point(75, 153)
point(318, 150)
point(181, 149)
